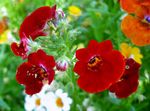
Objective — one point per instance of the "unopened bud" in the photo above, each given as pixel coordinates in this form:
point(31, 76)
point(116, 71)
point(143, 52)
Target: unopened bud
point(62, 65)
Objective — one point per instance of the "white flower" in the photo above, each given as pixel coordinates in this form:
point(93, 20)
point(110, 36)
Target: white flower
point(35, 102)
point(46, 100)
point(57, 101)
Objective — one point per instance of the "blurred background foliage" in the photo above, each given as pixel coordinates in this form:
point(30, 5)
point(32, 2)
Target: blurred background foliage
point(100, 20)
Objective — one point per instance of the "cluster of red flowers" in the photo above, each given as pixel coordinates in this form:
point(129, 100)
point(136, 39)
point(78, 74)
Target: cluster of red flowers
point(136, 25)
point(99, 66)
point(39, 67)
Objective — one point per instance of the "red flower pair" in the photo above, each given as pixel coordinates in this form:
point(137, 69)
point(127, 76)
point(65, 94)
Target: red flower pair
point(39, 67)
point(32, 27)
point(99, 66)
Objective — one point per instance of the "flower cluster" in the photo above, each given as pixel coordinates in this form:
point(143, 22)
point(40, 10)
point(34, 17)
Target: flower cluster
point(137, 22)
point(48, 100)
point(99, 66)
point(39, 67)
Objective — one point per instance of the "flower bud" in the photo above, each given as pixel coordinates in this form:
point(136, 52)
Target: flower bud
point(62, 65)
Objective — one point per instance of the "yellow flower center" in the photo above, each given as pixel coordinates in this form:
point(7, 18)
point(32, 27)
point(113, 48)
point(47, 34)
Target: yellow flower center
point(38, 102)
point(59, 102)
point(94, 63)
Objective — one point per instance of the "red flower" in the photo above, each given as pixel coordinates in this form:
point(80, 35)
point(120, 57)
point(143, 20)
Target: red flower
point(20, 49)
point(99, 66)
point(34, 24)
point(34, 72)
point(128, 82)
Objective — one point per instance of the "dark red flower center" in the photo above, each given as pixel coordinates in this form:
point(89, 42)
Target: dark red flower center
point(37, 73)
point(147, 18)
point(95, 63)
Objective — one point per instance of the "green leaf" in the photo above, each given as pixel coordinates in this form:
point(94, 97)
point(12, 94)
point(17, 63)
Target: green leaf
point(4, 105)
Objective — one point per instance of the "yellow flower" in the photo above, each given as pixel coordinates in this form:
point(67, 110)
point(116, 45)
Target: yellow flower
point(131, 52)
point(4, 37)
point(75, 11)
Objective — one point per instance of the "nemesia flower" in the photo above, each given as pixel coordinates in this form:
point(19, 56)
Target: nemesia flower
point(33, 73)
point(4, 38)
point(35, 24)
point(96, 66)
point(131, 52)
point(3, 25)
point(136, 24)
point(74, 10)
point(32, 27)
point(57, 101)
point(128, 83)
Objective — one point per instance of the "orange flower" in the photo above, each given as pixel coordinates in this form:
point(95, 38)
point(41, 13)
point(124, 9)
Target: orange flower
point(3, 25)
point(136, 25)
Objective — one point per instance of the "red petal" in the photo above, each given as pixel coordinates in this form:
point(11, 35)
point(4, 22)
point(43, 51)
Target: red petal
point(22, 72)
point(80, 68)
point(128, 82)
point(82, 55)
point(105, 46)
point(33, 88)
point(34, 24)
point(40, 58)
point(93, 83)
point(19, 50)
point(124, 88)
point(51, 74)
point(115, 60)
point(92, 47)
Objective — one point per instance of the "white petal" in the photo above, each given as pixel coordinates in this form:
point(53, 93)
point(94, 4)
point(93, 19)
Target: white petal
point(66, 107)
point(29, 102)
point(59, 92)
